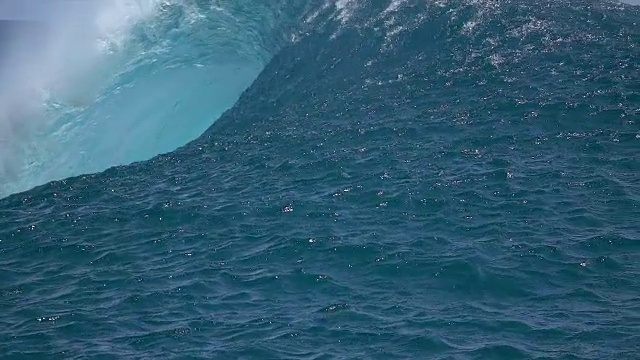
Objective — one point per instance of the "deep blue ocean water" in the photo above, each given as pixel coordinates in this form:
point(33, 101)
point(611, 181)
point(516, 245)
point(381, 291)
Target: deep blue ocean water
point(401, 179)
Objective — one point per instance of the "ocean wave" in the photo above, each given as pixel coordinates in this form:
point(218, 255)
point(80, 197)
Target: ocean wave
point(403, 179)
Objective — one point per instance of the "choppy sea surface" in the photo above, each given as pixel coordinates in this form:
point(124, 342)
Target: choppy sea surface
point(362, 179)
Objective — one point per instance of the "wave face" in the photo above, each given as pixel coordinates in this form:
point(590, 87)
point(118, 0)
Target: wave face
point(403, 179)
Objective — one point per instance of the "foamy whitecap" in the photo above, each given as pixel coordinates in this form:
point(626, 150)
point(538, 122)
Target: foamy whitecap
point(51, 65)
point(121, 81)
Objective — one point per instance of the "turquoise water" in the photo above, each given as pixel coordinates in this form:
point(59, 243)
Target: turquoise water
point(397, 179)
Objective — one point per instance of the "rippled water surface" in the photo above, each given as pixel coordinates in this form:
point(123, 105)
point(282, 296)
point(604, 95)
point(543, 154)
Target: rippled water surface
point(403, 179)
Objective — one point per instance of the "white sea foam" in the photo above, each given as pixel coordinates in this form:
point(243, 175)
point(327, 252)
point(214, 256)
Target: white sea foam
point(65, 43)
